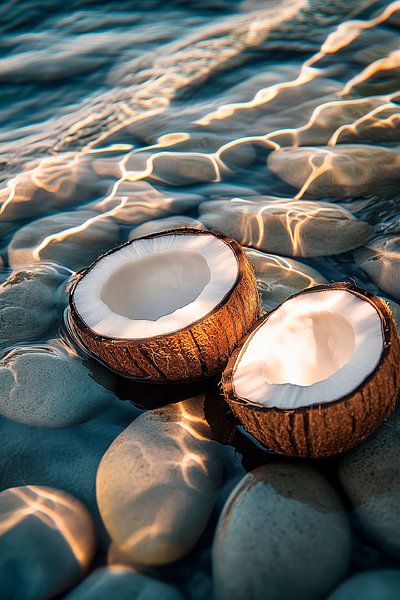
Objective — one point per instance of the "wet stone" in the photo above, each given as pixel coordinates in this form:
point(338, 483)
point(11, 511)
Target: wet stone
point(30, 303)
point(279, 277)
point(184, 168)
point(122, 583)
point(34, 193)
point(370, 476)
point(382, 584)
point(283, 533)
point(46, 544)
point(344, 171)
point(380, 259)
point(178, 222)
point(286, 226)
point(136, 202)
point(71, 239)
point(158, 482)
point(43, 386)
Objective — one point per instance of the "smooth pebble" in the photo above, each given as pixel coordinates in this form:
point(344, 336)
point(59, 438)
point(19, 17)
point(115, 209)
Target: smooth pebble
point(343, 171)
point(122, 583)
point(380, 259)
point(370, 476)
point(158, 482)
point(46, 542)
point(382, 584)
point(286, 226)
point(283, 533)
point(278, 277)
point(178, 222)
point(30, 301)
point(72, 239)
point(43, 386)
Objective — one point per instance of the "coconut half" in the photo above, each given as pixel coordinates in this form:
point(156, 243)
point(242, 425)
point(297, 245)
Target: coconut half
point(318, 374)
point(170, 306)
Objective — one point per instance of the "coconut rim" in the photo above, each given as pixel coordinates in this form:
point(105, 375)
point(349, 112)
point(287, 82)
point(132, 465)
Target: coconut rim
point(75, 317)
point(387, 326)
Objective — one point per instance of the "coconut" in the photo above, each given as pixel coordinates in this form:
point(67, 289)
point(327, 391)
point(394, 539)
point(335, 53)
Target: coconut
point(170, 306)
point(318, 374)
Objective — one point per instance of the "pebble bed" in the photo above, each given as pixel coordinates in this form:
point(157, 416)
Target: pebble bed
point(278, 128)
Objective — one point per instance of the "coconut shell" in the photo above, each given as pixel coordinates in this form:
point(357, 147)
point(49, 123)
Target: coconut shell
point(197, 351)
point(322, 430)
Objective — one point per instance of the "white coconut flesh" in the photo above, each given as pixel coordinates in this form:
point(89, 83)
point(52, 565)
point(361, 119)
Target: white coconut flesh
point(156, 286)
point(315, 348)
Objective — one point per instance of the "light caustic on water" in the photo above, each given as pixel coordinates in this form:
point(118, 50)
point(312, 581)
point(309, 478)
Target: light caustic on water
point(44, 176)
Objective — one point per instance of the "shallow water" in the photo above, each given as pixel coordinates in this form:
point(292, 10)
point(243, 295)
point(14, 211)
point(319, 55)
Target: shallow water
point(274, 122)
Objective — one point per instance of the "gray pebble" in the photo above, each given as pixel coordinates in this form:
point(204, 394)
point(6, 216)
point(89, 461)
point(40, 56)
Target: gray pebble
point(370, 475)
point(157, 483)
point(285, 226)
point(165, 224)
point(383, 584)
point(184, 168)
point(343, 171)
point(43, 386)
point(279, 277)
point(46, 542)
point(380, 259)
point(122, 583)
point(30, 303)
point(72, 239)
point(283, 533)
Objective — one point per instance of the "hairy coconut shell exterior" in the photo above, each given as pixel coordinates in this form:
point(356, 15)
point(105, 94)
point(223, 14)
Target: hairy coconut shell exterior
point(197, 351)
point(322, 430)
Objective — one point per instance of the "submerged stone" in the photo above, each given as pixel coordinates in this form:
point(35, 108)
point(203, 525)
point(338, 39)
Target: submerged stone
point(370, 476)
point(43, 386)
point(46, 542)
point(382, 584)
point(156, 226)
point(184, 168)
point(30, 303)
point(283, 533)
point(286, 226)
point(72, 239)
point(344, 171)
point(57, 183)
point(122, 583)
point(157, 483)
point(278, 277)
point(380, 259)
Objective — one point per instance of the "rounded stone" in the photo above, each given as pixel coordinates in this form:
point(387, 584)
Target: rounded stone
point(46, 542)
point(370, 476)
point(57, 183)
point(279, 277)
point(184, 168)
point(343, 171)
point(159, 225)
point(43, 386)
point(283, 533)
point(380, 259)
point(286, 226)
point(72, 239)
point(30, 302)
point(158, 482)
point(382, 584)
point(122, 583)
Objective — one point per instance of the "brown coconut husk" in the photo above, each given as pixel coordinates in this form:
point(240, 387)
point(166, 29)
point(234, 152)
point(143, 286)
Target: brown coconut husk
point(197, 351)
point(322, 430)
